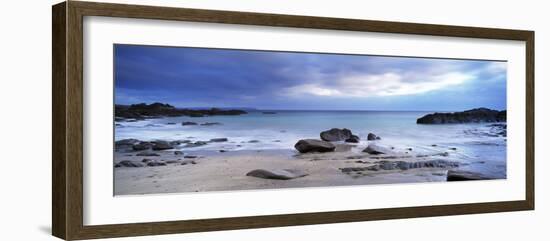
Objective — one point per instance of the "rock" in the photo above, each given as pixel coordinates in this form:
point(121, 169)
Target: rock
point(145, 160)
point(127, 163)
point(147, 153)
point(156, 163)
point(196, 144)
point(211, 124)
point(353, 139)
point(373, 137)
point(172, 161)
point(142, 146)
point(188, 162)
point(452, 148)
point(403, 165)
point(188, 123)
point(126, 142)
point(313, 145)
point(336, 134)
point(280, 174)
point(222, 150)
point(161, 145)
point(253, 141)
point(156, 110)
point(470, 116)
point(190, 156)
point(458, 175)
point(218, 140)
point(376, 150)
point(170, 123)
point(178, 153)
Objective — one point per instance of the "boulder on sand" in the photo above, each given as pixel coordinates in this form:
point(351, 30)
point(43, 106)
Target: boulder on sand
point(162, 145)
point(313, 145)
point(458, 175)
point(280, 174)
point(376, 150)
point(353, 139)
point(373, 137)
point(336, 134)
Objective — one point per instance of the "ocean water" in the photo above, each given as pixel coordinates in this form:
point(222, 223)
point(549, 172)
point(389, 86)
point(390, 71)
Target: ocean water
point(280, 131)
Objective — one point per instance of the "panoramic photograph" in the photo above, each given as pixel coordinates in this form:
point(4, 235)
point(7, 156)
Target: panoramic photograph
point(192, 119)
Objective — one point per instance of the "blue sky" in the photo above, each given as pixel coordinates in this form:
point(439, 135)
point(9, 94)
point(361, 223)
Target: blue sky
point(198, 77)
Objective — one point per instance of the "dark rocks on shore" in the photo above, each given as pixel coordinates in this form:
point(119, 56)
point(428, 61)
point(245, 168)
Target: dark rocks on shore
point(126, 142)
point(127, 163)
point(190, 157)
point(156, 110)
point(147, 153)
point(141, 146)
point(280, 174)
point(218, 140)
point(373, 137)
point(177, 153)
point(313, 145)
point(188, 162)
point(189, 123)
point(353, 139)
point(478, 115)
point(196, 144)
point(156, 163)
point(336, 134)
point(253, 141)
point(458, 175)
point(211, 124)
point(403, 165)
point(376, 150)
point(161, 145)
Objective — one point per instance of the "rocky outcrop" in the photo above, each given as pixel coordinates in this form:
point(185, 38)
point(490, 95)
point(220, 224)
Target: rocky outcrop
point(376, 150)
point(478, 115)
point(336, 134)
point(189, 123)
point(372, 137)
point(280, 174)
point(156, 110)
point(458, 175)
point(313, 145)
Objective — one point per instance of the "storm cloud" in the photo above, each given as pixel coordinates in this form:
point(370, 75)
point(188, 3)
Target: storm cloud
point(200, 77)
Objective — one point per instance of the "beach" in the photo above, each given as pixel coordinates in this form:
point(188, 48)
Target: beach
point(226, 153)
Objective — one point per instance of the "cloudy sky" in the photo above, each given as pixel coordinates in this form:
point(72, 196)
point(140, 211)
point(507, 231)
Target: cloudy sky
point(196, 77)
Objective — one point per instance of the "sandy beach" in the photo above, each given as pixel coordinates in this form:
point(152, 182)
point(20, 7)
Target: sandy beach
point(227, 171)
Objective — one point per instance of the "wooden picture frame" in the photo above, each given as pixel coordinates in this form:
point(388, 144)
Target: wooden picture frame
point(67, 137)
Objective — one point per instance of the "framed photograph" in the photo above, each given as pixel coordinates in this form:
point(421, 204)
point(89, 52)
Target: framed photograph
point(171, 120)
